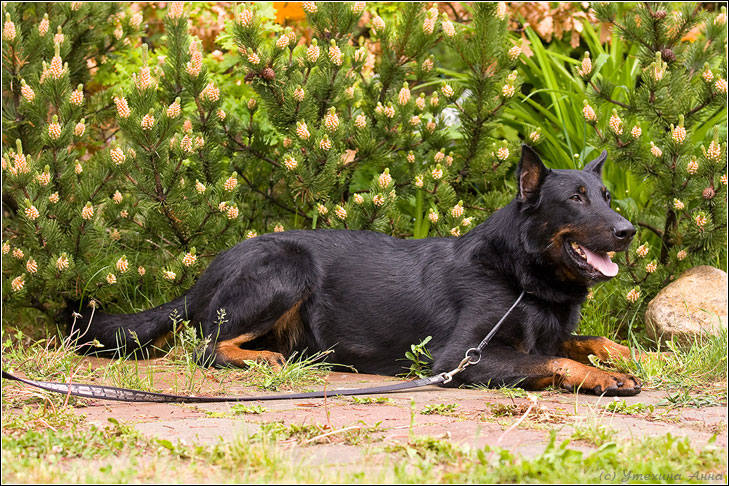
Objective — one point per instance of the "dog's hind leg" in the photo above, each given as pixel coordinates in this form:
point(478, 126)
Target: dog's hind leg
point(227, 338)
point(286, 331)
point(257, 290)
point(229, 353)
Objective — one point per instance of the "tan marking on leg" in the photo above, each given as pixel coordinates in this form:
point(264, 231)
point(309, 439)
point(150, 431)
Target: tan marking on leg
point(237, 341)
point(236, 356)
point(580, 348)
point(288, 329)
point(232, 354)
point(161, 342)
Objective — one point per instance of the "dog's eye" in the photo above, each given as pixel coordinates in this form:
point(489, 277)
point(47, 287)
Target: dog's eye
point(608, 197)
point(577, 198)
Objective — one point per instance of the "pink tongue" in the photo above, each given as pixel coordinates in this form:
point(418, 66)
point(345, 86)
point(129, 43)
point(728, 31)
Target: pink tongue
point(602, 262)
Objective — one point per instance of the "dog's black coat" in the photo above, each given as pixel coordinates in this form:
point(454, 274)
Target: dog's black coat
point(369, 296)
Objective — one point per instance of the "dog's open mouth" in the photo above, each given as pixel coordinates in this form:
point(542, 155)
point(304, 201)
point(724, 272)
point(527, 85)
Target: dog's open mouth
point(592, 261)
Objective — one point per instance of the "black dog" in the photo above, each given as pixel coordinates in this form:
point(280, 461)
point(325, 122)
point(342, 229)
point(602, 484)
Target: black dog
point(369, 296)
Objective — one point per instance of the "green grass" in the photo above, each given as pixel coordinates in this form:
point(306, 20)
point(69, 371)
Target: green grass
point(49, 359)
point(299, 370)
point(620, 406)
point(53, 443)
point(594, 433)
point(311, 434)
point(116, 453)
point(684, 398)
point(238, 409)
point(46, 441)
point(512, 392)
point(440, 409)
point(54, 359)
point(370, 400)
point(699, 367)
point(420, 360)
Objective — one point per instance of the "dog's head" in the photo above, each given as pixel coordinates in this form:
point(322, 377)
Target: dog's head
point(569, 221)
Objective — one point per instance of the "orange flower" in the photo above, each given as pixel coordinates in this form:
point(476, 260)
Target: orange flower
point(292, 11)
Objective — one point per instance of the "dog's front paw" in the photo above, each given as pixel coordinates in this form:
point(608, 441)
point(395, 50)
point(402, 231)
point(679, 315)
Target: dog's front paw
point(586, 378)
point(275, 360)
point(615, 385)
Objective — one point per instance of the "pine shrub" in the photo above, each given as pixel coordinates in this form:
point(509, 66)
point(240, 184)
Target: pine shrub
point(671, 132)
point(122, 192)
point(55, 118)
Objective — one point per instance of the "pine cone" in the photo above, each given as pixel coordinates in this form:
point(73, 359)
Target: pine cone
point(660, 14)
point(668, 55)
point(268, 74)
point(708, 193)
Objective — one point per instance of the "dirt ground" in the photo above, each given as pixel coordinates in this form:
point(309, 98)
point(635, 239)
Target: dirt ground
point(480, 417)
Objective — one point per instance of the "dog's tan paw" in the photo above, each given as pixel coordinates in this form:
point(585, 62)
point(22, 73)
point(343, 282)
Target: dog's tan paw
point(275, 360)
point(575, 376)
point(605, 383)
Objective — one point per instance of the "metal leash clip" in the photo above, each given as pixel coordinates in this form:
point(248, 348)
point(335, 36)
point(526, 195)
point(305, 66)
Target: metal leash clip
point(466, 361)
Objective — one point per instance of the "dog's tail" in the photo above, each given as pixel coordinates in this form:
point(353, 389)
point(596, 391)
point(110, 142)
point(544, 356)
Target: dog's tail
point(94, 332)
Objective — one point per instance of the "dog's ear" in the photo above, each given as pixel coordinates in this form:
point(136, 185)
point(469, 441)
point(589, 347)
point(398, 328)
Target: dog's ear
point(595, 166)
point(531, 174)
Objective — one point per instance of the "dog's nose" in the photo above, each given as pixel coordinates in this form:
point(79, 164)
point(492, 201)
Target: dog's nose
point(624, 231)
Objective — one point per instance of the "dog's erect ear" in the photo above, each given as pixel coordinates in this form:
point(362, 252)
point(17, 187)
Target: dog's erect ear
point(531, 174)
point(596, 165)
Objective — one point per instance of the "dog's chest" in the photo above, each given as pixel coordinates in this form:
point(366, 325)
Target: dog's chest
point(544, 326)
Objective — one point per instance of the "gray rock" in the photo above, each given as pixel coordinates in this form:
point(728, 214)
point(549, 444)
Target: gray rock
point(693, 305)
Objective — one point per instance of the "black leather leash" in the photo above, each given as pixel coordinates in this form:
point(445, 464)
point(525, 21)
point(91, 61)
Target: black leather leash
point(473, 356)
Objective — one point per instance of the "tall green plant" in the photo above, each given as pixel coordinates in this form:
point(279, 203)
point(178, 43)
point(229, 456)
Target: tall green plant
point(554, 102)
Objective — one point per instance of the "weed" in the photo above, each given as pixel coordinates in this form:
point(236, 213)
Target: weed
point(238, 409)
point(595, 434)
point(124, 372)
point(507, 409)
point(413, 413)
point(431, 449)
point(116, 453)
point(299, 370)
point(311, 434)
point(420, 360)
point(360, 434)
point(39, 418)
point(440, 409)
point(666, 458)
point(369, 400)
point(537, 415)
point(54, 444)
point(187, 344)
point(277, 431)
point(512, 392)
point(48, 359)
point(684, 398)
point(620, 406)
point(696, 367)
